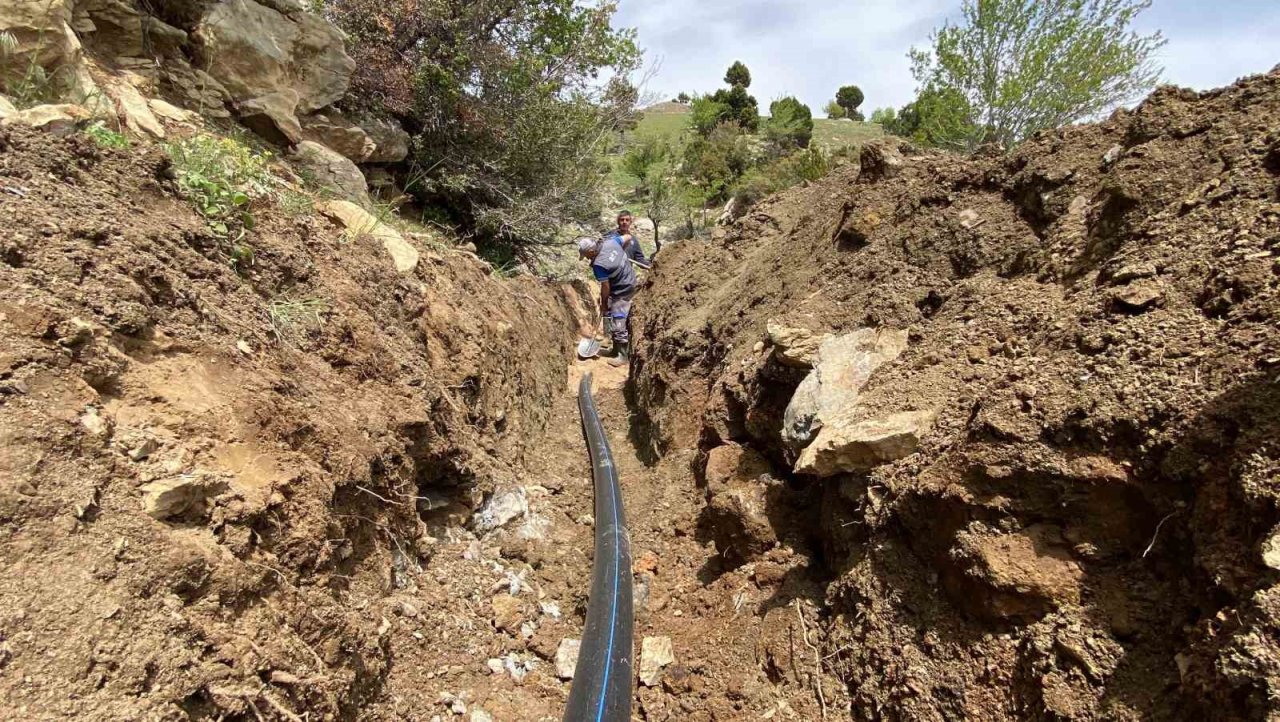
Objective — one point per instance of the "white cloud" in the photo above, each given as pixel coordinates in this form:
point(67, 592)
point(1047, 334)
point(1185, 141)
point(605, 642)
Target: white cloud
point(808, 48)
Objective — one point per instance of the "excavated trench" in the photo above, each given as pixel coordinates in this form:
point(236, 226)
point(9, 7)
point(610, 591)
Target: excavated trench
point(934, 438)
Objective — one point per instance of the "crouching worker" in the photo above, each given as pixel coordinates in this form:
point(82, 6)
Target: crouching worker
point(612, 268)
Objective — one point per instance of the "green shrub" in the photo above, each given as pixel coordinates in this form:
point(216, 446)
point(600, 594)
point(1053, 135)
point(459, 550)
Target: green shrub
point(106, 137)
point(833, 110)
point(221, 177)
point(790, 125)
point(810, 164)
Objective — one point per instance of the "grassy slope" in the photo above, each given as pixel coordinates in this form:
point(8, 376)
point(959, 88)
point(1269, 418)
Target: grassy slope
point(669, 120)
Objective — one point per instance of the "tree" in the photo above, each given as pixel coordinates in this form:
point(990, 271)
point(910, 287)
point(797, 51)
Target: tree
point(504, 100)
point(833, 110)
point(790, 124)
point(850, 97)
point(645, 154)
point(683, 98)
point(938, 117)
point(885, 117)
point(742, 106)
point(715, 162)
point(738, 75)
point(706, 113)
point(1025, 66)
point(662, 197)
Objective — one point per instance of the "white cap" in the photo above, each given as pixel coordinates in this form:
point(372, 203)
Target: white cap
point(586, 245)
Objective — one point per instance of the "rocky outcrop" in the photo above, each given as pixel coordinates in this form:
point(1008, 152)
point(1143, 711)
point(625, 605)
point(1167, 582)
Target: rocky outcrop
point(254, 50)
point(272, 117)
point(390, 140)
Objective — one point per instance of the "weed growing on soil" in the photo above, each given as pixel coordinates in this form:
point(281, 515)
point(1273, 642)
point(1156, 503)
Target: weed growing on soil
point(290, 315)
point(106, 137)
point(221, 176)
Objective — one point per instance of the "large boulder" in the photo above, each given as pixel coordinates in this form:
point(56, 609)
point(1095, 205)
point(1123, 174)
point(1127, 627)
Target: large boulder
point(254, 50)
point(272, 117)
point(195, 89)
point(119, 29)
point(390, 140)
point(841, 368)
point(333, 172)
point(334, 131)
point(132, 108)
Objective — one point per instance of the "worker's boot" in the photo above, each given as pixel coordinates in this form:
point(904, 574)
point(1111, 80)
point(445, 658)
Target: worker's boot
point(622, 357)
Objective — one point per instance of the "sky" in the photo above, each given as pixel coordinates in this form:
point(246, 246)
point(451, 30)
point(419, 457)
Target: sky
point(809, 48)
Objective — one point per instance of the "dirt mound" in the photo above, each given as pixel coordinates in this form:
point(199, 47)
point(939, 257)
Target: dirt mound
point(1060, 501)
point(211, 482)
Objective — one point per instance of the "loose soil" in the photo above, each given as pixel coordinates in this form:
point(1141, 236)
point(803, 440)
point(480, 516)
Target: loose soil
point(1089, 528)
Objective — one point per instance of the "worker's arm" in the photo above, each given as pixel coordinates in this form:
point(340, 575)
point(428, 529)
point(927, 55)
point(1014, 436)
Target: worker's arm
point(604, 298)
point(634, 250)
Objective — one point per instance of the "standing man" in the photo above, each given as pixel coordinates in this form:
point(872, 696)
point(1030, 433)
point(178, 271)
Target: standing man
point(627, 239)
point(611, 266)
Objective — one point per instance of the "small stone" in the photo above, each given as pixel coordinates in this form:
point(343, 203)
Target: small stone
point(281, 677)
point(177, 496)
point(507, 614)
point(95, 424)
point(645, 562)
point(496, 666)
point(969, 218)
point(1133, 272)
point(567, 657)
point(479, 715)
point(406, 609)
point(1112, 155)
point(1138, 297)
point(244, 347)
point(758, 347)
point(1271, 550)
point(145, 449)
point(500, 509)
point(655, 653)
point(359, 222)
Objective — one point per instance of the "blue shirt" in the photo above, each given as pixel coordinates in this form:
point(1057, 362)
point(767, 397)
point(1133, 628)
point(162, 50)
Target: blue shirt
point(612, 265)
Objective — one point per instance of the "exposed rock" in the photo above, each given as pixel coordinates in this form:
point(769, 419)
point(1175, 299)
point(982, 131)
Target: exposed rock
point(178, 496)
point(195, 89)
point(849, 445)
point(1133, 272)
point(116, 28)
point(1138, 297)
point(172, 113)
point(59, 120)
point(336, 132)
point(567, 657)
point(254, 50)
point(733, 210)
point(795, 347)
point(732, 464)
point(43, 37)
point(95, 424)
point(7, 107)
point(843, 366)
point(655, 653)
point(334, 173)
point(1271, 550)
point(272, 117)
point(739, 521)
point(390, 140)
point(507, 613)
point(500, 509)
point(132, 109)
point(360, 222)
point(880, 160)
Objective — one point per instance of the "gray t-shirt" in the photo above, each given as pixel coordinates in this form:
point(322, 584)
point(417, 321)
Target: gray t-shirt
point(612, 265)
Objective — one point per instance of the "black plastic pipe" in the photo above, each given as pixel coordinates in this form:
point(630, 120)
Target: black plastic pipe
point(602, 680)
